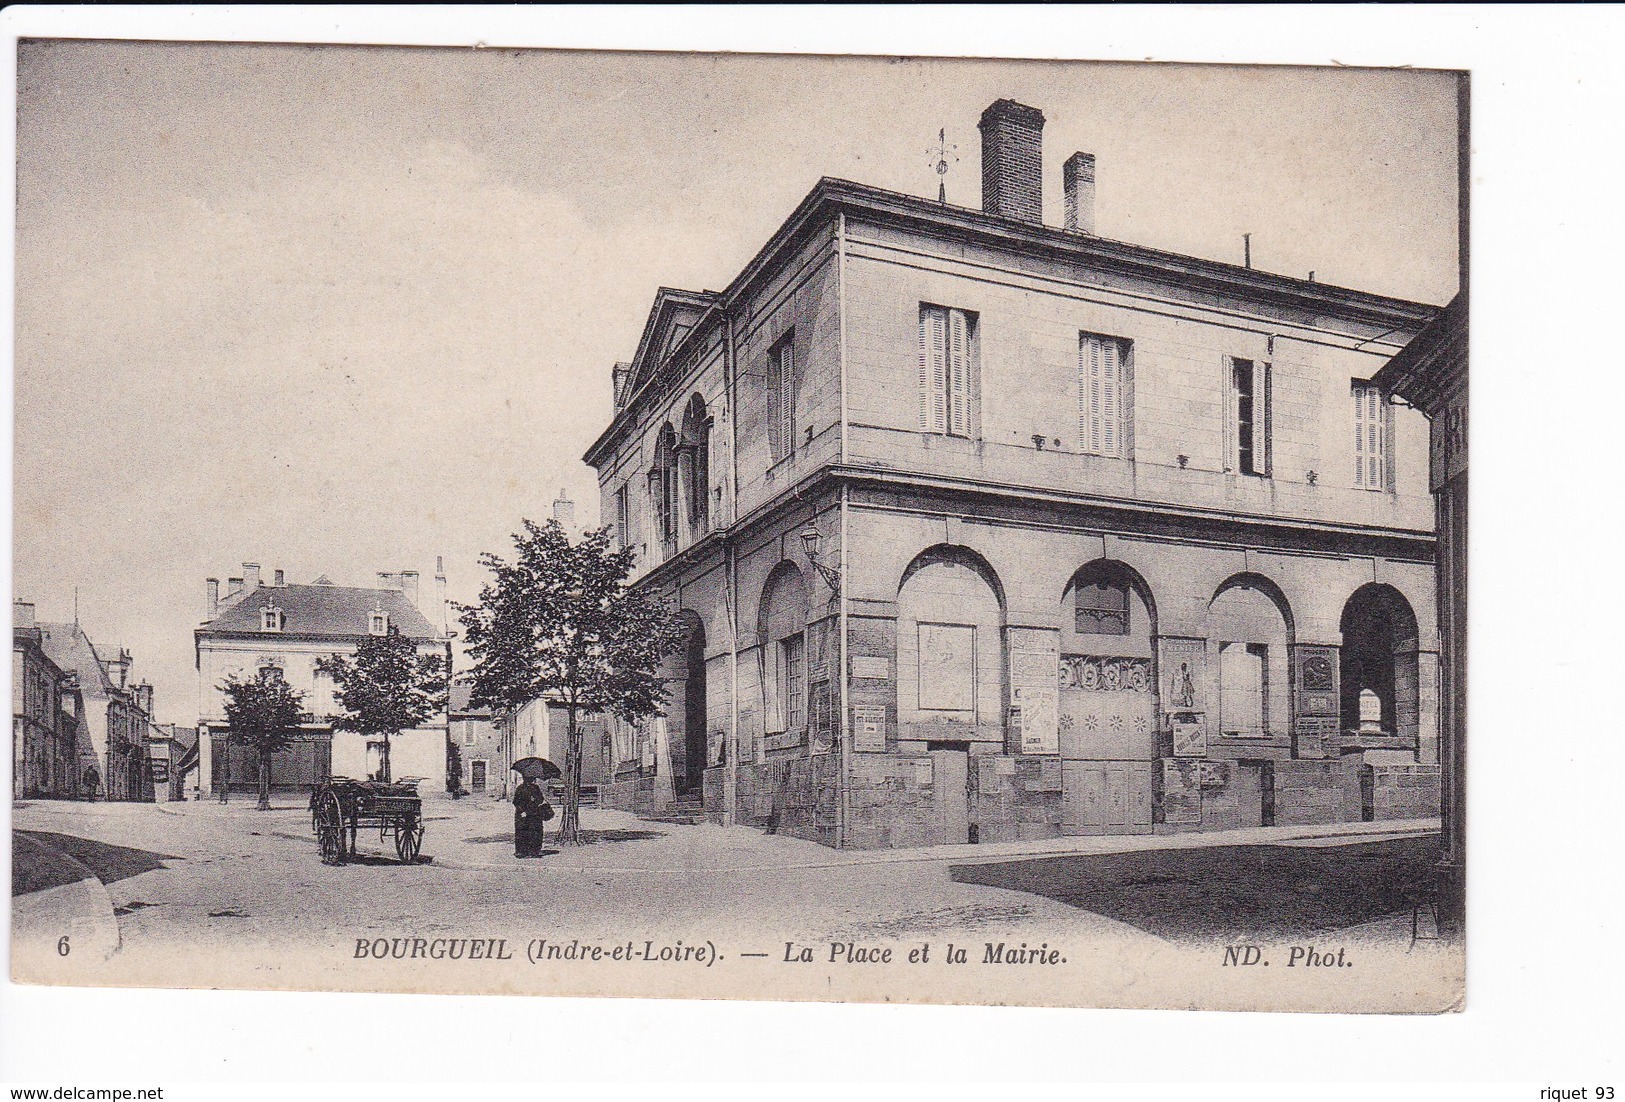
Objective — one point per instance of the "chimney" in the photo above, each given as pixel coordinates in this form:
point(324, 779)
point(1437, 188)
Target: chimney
point(409, 586)
point(22, 614)
point(281, 579)
point(213, 586)
point(564, 511)
point(440, 594)
point(621, 376)
point(234, 586)
point(1078, 183)
point(388, 581)
point(1013, 161)
point(251, 575)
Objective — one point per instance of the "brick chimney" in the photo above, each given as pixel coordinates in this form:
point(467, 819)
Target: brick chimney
point(564, 511)
point(213, 587)
point(439, 618)
point(409, 586)
point(234, 586)
point(1013, 161)
point(251, 576)
point(387, 580)
point(281, 579)
point(1078, 185)
point(22, 614)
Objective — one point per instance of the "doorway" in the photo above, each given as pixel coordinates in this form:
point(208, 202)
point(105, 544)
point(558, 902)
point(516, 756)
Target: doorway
point(695, 748)
point(950, 785)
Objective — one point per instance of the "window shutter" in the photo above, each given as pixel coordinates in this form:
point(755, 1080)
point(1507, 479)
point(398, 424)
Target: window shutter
point(787, 399)
point(1110, 403)
point(1262, 415)
point(924, 351)
point(933, 393)
point(958, 374)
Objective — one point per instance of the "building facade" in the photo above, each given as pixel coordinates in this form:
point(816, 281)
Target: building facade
point(254, 626)
point(46, 711)
point(986, 529)
point(484, 750)
point(114, 713)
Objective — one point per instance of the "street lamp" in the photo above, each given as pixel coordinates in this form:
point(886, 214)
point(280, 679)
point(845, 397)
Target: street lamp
point(810, 537)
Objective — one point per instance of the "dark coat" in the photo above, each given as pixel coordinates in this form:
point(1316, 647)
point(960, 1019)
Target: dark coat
point(530, 809)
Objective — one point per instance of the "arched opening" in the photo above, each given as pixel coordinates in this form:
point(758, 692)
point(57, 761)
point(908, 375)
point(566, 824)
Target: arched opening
point(950, 652)
point(1380, 700)
point(695, 457)
point(1251, 631)
point(1108, 683)
point(663, 484)
point(782, 656)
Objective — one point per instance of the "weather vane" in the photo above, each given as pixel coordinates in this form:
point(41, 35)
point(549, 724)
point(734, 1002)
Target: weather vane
point(942, 156)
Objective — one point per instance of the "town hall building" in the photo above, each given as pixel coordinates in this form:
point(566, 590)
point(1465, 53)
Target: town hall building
point(986, 529)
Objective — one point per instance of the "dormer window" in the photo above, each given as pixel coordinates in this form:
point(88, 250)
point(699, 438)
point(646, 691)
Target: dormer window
point(378, 623)
point(270, 618)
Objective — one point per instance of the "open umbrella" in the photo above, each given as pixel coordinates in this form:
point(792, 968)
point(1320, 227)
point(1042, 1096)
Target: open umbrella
point(537, 769)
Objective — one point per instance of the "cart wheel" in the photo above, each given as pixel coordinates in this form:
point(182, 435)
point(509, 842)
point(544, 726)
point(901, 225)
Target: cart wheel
point(330, 829)
point(409, 839)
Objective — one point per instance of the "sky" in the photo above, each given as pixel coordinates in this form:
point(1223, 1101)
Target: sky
point(339, 310)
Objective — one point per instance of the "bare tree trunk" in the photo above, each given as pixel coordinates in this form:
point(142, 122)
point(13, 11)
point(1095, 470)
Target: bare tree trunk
point(570, 818)
point(265, 781)
point(383, 760)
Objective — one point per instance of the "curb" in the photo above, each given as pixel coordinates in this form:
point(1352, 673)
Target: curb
point(81, 911)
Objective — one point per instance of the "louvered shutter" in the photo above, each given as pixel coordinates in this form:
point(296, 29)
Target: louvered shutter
point(1111, 413)
point(775, 434)
point(1089, 393)
point(934, 369)
point(1262, 405)
point(787, 398)
point(958, 374)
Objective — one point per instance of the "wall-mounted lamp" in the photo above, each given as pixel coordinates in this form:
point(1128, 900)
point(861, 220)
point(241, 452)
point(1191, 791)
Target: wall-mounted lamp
point(1311, 477)
point(1184, 460)
point(1038, 440)
point(810, 537)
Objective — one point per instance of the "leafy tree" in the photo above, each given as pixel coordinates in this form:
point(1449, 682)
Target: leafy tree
point(264, 713)
point(560, 623)
point(386, 687)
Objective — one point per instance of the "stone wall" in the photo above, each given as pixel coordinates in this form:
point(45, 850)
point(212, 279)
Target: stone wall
point(1016, 798)
point(799, 797)
point(1404, 791)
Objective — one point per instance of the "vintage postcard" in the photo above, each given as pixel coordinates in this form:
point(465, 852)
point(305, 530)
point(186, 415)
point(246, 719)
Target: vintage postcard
point(729, 526)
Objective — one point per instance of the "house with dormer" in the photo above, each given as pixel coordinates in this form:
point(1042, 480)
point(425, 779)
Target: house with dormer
point(255, 626)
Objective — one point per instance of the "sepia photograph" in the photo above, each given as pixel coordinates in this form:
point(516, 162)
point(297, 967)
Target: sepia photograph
point(702, 525)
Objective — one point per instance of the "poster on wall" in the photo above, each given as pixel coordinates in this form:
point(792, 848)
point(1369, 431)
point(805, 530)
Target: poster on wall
point(1035, 690)
point(869, 727)
point(947, 670)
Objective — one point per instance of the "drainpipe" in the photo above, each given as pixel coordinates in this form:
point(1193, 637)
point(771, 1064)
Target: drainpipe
point(730, 796)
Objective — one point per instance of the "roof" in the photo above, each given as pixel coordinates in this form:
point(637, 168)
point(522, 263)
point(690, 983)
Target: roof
point(831, 196)
point(71, 649)
point(1425, 370)
point(321, 610)
point(459, 705)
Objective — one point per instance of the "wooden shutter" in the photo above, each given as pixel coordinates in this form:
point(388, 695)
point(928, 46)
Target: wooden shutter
point(787, 398)
point(933, 369)
point(775, 433)
point(1101, 398)
point(1089, 393)
point(1111, 406)
point(1370, 439)
point(958, 377)
point(1262, 416)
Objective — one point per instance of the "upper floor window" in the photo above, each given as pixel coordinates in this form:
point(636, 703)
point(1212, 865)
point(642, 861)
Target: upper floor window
point(781, 397)
point(1104, 402)
point(378, 623)
point(793, 681)
point(948, 371)
point(623, 531)
point(1249, 417)
point(697, 447)
point(270, 619)
point(271, 673)
point(1371, 435)
point(663, 487)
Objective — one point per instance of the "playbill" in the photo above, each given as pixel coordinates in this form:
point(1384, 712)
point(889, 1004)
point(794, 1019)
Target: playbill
point(727, 526)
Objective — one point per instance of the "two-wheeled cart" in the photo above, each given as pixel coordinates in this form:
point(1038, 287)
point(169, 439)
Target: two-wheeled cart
point(341, 807)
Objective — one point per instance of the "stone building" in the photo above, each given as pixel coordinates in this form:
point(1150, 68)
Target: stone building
point(986, 529)
point(255, 626)
point(114, 714)
point(46, 710)
point(483, 750)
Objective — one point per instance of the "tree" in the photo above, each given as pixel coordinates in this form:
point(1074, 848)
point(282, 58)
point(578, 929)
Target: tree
point(560, 623)
point(264, 712)
point(386, 687)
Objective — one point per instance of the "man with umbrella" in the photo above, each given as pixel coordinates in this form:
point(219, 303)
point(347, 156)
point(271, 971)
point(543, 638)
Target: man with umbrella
point(531, 811)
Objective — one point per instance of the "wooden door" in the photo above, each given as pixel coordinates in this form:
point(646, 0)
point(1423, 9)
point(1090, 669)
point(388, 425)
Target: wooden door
point(950, 782)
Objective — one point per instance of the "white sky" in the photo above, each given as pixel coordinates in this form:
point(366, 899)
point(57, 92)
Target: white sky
point(342, 309)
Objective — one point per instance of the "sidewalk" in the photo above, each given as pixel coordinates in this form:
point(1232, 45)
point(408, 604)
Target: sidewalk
point(79, 910)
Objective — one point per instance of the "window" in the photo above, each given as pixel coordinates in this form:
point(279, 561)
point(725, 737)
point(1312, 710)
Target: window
point(663, 488)
point(781, 397)
point(468, 732)
point(1249, 417)
point(697, 447)
point(1371, 432)
point(947, 364)
point(378, 623)
point(623, 533)
point(1101, 608)
point(1104, 406)
point(271, 674)
point(270, 618)
point(793, 681)
point(1243, 688)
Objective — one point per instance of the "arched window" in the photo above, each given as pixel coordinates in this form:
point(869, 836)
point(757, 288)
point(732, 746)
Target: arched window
point(1251, 631)
point(696, 445)
point(1381, 686)
point(663, 489)
point(950, 656)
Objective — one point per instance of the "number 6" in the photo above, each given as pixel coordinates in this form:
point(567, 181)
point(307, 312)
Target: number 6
point(62, 947)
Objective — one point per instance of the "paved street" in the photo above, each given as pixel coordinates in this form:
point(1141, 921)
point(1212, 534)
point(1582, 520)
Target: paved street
point(201, 881)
